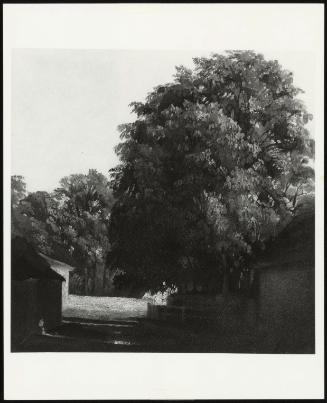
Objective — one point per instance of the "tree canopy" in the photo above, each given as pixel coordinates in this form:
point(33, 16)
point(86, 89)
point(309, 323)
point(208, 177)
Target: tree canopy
point(210, 169)
point(18, 189)
point(85, 202)
point(69, 224)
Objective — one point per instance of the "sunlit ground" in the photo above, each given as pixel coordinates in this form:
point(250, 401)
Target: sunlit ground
point(104, 308)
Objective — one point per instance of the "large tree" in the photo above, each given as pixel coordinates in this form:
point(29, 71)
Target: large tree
point(206, 169)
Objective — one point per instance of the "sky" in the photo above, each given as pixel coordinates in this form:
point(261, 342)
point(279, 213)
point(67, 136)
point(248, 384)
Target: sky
point(67, 104)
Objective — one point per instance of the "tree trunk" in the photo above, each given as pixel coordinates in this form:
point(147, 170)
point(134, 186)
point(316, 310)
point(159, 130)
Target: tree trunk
point(99, 278)
point(104, 279)
point(85, 280)
point(226, 277)
point(226, 284)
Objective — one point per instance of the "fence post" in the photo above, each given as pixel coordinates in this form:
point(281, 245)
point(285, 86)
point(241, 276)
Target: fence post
point(183, 313)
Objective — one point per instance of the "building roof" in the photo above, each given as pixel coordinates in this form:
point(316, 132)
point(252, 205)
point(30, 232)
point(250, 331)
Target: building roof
point(294, 248)
point(26, 263)
point(56, 264)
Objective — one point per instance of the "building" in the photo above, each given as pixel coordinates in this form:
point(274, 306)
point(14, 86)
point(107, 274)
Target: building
point(278, 316)
point(36, 293)
point(286, 300)
point(63, 270)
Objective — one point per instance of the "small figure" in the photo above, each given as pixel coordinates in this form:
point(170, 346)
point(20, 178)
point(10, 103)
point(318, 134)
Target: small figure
point(41, 325)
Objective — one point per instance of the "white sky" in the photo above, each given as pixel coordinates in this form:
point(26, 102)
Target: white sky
point(67, 104)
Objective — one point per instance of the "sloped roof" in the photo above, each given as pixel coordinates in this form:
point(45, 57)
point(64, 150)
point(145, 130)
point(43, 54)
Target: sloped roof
point(27, 263)
point(294, 248)
point(56, 264)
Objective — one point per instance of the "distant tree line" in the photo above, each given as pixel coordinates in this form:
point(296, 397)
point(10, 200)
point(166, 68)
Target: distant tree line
point(69, 224)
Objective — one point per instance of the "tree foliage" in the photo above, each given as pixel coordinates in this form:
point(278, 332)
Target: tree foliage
point(211, 166)
point(69, 224)
point(85, 202)
point(18, 189)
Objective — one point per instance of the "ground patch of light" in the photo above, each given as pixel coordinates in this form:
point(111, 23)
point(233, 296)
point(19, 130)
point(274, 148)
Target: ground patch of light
point(124, 343)
point(96, 324)
point(104, 308)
